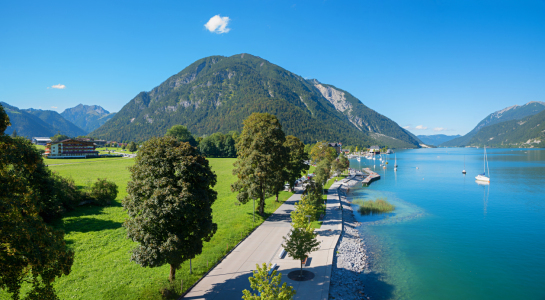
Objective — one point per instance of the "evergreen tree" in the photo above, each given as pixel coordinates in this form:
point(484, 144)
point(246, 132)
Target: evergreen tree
point(261, 157)
point(169, 203)
point(14, 133)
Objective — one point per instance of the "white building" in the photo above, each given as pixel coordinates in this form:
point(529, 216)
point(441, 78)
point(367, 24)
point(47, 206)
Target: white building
point(41, 140)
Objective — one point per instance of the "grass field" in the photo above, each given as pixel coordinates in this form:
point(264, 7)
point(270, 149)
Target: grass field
point(102, 268)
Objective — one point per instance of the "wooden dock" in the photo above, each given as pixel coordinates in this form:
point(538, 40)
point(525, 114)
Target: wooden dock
point(371, 176)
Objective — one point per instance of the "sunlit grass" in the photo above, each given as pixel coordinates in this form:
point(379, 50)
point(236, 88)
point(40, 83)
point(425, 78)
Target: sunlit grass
point(102, 268)
point(370, 207)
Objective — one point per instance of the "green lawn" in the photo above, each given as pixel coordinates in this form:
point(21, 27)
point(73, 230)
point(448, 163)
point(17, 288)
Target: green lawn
point(102, 268)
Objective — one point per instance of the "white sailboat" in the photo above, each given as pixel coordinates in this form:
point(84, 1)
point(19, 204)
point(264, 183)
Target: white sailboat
point(395, 162)
point(483, 177)
point(464, 171)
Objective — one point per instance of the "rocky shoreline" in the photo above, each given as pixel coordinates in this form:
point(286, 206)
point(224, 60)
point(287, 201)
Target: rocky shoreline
point(350, 258)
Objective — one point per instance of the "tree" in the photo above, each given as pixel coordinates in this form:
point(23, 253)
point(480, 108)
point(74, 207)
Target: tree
point(344, 162)
point(300, 243)
point(181, 133)
point(314, 192)
point(261, 157)
point(303, 209)
point(268, 285)
point(322, 151)
point(298, 158)
point(103, 191)
point(322, 171)
point(132, 147)
point(351, 149)
point(30, 250)
point(59, 137)
point(169, 203)
point(14, 133)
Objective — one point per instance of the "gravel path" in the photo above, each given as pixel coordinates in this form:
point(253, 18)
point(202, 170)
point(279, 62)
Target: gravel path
point(350, 259)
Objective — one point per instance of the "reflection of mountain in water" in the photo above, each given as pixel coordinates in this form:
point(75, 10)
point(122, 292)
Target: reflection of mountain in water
point(404, 211)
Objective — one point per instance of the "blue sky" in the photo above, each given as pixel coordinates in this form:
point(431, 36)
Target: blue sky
point(435, 64)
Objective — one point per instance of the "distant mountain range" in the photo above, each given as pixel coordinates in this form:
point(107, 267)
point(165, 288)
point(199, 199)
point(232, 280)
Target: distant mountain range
point(504, 127)
point(436, 139)
point(39, 123)
point(87, 117)
point(215, 94)
point(46, 123)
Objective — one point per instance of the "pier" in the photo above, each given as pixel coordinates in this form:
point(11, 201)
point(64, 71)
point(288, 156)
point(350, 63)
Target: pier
point(371, 176)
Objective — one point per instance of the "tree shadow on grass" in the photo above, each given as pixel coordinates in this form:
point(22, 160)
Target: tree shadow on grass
point(85, 224)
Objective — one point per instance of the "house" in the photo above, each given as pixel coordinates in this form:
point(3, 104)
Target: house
point(337, 146)
point(41, 140)
point(70, 148)
point(374, 150)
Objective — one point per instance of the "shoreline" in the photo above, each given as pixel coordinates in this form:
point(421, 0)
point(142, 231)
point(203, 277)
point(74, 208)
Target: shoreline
point(350, 258)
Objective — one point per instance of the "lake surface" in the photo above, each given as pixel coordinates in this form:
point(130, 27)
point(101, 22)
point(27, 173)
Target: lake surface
point(451, 238)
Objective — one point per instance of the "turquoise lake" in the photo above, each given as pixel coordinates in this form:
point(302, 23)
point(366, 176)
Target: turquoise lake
point(450, 237)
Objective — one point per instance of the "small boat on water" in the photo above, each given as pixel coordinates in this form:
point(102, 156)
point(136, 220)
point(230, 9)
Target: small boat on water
point(483, 177)
point(358, 158)
point(464, 171)
point(395, 163)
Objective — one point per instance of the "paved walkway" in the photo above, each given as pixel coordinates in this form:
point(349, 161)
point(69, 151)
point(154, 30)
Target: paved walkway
point(228, 279)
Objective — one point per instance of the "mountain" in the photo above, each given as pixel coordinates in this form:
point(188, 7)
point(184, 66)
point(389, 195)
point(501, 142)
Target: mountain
point(87, 117)
point(39, 123)
point(527, 132)
point(514, 112)
point(25, 124)
point(55, 120)
point(215, 94)
point(436, 139)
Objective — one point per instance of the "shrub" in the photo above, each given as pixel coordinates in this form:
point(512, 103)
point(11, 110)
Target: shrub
point(103, 192)
point(378, 206)
point(61, 196)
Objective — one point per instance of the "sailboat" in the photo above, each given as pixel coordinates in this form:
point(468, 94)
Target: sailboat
point(395, 162)
point(464, 170)
point(483, 177)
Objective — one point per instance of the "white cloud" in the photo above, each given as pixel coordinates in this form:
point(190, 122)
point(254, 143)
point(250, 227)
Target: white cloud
point(407, 127)
point(439, 129)
point(421, 127)
point(54, 107)
point(218, 24)
point(59, 86)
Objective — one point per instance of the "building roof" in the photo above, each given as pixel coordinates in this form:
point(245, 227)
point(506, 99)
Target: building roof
point(375, 147)
point(72, 140)
point(41, 138)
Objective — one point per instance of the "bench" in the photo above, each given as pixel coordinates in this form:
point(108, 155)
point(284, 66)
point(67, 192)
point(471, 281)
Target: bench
point(273, 268)
point(282, 253)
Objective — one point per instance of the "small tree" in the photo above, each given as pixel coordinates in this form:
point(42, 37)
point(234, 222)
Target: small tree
point(304, 209)
point(261, 157)
point(182, 134)
point(169, 203)
point(297, 159)
point(314, 193)
point(322, 151)
point(323, 171)
point(300, 244)
point(132, 146)
point(268, 286)
point(103, 192)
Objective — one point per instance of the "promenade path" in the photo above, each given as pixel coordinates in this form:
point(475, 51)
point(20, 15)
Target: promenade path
point(230, 277)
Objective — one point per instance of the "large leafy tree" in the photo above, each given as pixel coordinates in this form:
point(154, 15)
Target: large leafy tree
point(30, 250)
point(298, 158)
point(261, 158)
point(321, 151)
point(322, 171)
point(268, 285)
point(181, 133)
point(169, 203)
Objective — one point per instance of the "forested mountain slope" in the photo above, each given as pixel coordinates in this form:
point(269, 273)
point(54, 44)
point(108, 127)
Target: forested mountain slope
point(528, 132)
point(25, 124)
point(215, 94)
point(514, 112)
point(57, 122)
point(87, 117)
